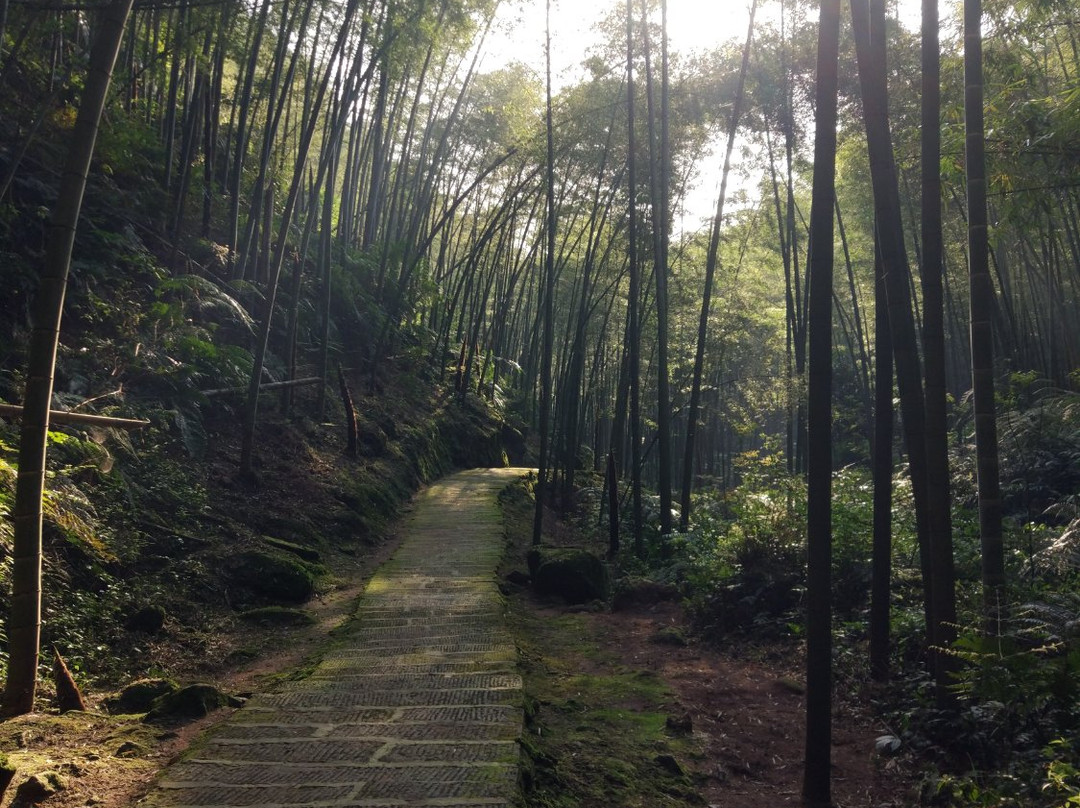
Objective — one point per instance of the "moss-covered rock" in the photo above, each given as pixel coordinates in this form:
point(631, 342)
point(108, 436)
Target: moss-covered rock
point(633, 592)
point(570, 573)
point(373, 440)
point(670, 635)
point(193, 701)
point(139, 696)
point(271, 576)
point(130, 749)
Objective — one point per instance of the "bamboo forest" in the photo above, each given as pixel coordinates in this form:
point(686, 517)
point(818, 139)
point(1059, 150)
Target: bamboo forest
point(407, 402)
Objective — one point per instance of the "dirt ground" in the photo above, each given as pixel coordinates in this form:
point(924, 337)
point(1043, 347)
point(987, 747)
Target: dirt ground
point(748, 712)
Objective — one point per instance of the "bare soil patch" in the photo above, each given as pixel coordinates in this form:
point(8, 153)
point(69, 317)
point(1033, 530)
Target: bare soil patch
point(748, 713)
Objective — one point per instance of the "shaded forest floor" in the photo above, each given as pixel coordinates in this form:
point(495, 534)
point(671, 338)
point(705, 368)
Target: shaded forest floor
point(743, 709)
point(630, 709)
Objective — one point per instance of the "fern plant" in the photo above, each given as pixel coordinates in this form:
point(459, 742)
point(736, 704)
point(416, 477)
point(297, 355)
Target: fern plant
point(1021, 689)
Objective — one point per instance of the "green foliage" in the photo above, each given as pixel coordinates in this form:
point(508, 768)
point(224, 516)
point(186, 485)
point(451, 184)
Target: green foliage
point(1039, 435)
point(742, 562)
point(196, 323)
point(1022, 685)
point(1062, 774)
point(8, 474)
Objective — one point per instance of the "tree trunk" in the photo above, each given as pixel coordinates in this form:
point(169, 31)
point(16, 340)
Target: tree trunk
point(872, 78)
point(352, 443)
point(817, 775)
point(243, 107)
point(24, 620)
point(938, 500)
point(658, 191)
point(881, 564)
point(633, 336)
point(612, 485)
point(547, 302)
point(982, 335)
point(251, 408)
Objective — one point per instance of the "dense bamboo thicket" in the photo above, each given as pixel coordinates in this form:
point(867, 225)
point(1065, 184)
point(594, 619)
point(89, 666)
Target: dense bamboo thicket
point(281, 188)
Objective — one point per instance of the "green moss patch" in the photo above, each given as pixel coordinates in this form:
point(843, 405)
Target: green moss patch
point(595, 732)
point(595, 739)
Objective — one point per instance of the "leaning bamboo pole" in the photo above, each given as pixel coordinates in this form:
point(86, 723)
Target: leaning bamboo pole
point(64, 417)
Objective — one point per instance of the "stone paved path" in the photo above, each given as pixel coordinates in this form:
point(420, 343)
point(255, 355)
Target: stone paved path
point(419, 705)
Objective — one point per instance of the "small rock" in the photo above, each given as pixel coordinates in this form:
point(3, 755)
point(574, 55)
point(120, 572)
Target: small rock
point(792, 685)
point(38, 788)
point(669, 764)
point(637, 592)
point(518, 578)
point(129, 749)
point(592, 607)
point(670, 635)
point(277, 616)
point(139, 696)
point(148, 620)
point(680, 724)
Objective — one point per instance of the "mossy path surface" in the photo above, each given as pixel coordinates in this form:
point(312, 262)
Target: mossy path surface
point(418, 704)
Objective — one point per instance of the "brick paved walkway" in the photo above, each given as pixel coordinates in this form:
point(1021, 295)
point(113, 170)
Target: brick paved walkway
point(419, 705)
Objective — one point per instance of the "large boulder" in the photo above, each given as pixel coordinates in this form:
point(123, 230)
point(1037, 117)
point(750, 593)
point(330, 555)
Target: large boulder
point(570, 573)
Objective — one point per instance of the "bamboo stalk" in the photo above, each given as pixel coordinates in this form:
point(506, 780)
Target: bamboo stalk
point(265, 386)
point(64, 417)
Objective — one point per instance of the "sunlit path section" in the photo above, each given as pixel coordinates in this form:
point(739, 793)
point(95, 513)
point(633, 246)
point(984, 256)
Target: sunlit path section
point(418, 704)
